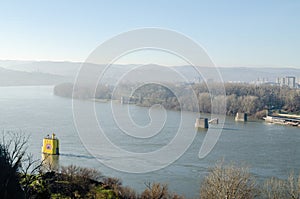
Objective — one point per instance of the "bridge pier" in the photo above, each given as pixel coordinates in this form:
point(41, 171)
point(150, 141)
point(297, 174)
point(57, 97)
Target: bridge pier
point(201, 123)
point(241, 117)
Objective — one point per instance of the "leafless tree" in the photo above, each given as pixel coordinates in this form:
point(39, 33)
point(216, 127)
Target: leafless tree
point(14, 145)
point(127, 193)
point(228, 182)
point(293, 185)
point(158, 191)
point(155, 191)
point(12, 151)
point(73, 172)
point(28, 171)
point(275, 188)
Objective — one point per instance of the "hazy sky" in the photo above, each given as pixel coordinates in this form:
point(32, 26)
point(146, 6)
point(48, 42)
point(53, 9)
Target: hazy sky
point(234, 33)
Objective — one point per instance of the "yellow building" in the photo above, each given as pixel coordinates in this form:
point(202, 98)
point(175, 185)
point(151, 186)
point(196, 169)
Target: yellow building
point(50, 145)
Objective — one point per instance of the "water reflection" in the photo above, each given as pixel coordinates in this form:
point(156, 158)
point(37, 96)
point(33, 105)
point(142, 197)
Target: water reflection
point(50, 162)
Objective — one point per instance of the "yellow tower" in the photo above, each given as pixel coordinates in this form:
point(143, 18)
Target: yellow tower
point(50, 145)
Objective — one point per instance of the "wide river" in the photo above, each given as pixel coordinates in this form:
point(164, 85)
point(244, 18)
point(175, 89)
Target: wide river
point(268, 150)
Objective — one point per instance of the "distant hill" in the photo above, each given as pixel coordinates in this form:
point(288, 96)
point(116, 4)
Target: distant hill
point(68, 71)
point(19, 78)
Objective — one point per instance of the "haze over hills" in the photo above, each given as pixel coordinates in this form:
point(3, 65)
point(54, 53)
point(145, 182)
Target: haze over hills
point(67, 69)
point(49, 73)
point(20, 78)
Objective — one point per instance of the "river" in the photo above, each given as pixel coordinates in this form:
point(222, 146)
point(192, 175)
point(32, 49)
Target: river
point(268, 149)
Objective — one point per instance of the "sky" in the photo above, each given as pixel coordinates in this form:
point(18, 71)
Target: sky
point(233, 33)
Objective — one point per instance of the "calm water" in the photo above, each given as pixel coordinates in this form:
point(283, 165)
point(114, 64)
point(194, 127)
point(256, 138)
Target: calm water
point(269, 150)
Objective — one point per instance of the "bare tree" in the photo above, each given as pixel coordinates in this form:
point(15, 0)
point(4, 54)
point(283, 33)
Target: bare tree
point(15, 143)
point(80, 180)
point(293, 186)
point(12, 150)
point(21, 167)
point(158, 191)
point(28, 172)
point(73, 172)
point(228, 182)
point(127, 193)
point(155, 191)
point(275, 188)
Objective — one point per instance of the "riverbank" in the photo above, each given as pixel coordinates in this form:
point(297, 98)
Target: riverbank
point(245, 98)
point(221, 181)
point(284, 119)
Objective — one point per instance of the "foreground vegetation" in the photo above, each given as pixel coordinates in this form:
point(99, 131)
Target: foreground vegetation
point(22, 177)
point(249, 98)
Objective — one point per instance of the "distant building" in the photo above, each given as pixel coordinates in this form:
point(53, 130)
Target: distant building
point(264, 80)
point(280, 81)
point(197, 80)
point(289, 81)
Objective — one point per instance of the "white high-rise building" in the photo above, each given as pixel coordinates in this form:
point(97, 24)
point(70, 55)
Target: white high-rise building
point(289, 81)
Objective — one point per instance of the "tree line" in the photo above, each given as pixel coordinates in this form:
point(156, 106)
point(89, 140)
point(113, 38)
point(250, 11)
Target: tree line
point(240, 97)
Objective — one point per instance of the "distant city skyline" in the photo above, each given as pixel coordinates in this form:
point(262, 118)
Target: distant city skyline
point(234, 33)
